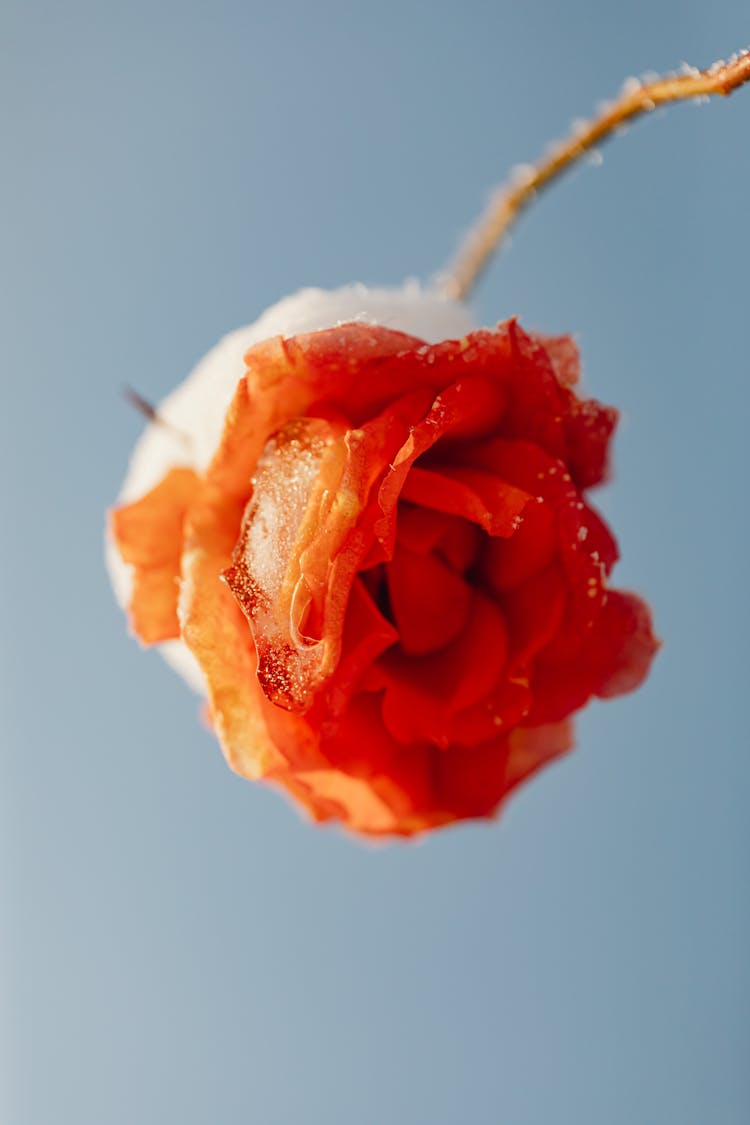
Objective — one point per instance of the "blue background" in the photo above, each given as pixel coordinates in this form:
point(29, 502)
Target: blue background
point(176, 945)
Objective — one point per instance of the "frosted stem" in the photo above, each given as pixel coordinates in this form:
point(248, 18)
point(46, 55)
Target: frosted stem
point(636, 98)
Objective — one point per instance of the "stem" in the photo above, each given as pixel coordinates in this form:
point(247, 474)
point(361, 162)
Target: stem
point(635, 100)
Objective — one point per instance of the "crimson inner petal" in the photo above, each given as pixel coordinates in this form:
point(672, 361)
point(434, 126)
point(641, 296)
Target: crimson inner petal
point(429, 602)
point(480, 403)
point(613, 658)
point(421, 529)
point(476, 495)
point(367, 633)
point(492, 717)
point(423, 693)
point(461, 543)
point(534, 612)
point(457, 540)
point(473, 781)
point(508, 562)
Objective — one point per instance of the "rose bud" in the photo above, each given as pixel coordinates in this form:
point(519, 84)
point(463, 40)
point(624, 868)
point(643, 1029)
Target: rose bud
point(374, 555)
point(370, 546)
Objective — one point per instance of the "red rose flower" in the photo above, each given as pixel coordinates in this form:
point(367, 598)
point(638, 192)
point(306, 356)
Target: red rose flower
point(388, 572)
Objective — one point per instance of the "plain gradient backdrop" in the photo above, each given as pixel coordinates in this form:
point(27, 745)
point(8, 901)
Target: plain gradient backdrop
point(177, 947)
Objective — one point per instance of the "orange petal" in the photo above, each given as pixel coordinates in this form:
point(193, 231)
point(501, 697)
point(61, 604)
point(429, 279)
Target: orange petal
point(216, 632)
point(394, 792)
point(148, 534)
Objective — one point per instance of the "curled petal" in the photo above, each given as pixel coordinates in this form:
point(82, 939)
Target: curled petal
point(296, 500)
point(148, 535)
point(452, 415)
point(495, 505)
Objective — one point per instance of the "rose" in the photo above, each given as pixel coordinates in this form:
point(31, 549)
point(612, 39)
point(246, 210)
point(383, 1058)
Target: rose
point(384, 573)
